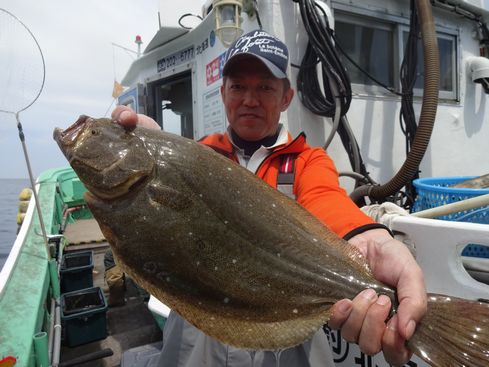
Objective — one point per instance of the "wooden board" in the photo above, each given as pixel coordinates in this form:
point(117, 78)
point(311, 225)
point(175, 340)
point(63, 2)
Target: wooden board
point(83, 231)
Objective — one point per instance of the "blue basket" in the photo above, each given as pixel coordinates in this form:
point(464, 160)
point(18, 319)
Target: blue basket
point(436, 191)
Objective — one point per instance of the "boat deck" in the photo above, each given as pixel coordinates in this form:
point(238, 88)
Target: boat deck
point(128, 326)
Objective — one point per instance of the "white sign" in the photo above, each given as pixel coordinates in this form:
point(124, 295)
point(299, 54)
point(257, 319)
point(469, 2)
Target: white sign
point(349, 355)
point(213, 112)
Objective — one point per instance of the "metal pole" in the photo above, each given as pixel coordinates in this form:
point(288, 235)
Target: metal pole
point(31, 178)
point(56, 346)
point(51, 328)
point(57, 335)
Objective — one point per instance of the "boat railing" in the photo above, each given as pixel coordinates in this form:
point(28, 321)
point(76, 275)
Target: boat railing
point(17, 246)
point(439, 245)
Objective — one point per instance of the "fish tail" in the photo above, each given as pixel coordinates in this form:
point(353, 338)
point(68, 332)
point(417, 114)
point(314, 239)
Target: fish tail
point(454, 332)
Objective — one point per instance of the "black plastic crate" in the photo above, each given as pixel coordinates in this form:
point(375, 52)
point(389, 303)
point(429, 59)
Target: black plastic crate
point(84, 316)
point(76, 271)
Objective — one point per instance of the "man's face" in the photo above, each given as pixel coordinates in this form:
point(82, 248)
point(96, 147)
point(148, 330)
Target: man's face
point(253, 99)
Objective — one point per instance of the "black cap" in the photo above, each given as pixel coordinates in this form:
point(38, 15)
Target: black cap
point(268, 49)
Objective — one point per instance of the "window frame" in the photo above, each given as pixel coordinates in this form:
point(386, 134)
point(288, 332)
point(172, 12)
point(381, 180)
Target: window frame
point(155, 89)
point(398, 24)
point(444, 33)
point(369, 89)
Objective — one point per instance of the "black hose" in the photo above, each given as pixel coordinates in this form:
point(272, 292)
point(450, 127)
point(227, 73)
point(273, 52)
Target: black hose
point(323, 99)
point(408, 75)
point(408, 79)
point(321, 49)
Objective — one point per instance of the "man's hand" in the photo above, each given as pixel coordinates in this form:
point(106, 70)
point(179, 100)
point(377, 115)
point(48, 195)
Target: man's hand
point(126, 117)
point(362, 320)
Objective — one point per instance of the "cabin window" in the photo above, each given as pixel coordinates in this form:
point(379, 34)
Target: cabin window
point(173, 104)
point(133, 98)
point(371, 47)
point(448, 57)
point(377, 46)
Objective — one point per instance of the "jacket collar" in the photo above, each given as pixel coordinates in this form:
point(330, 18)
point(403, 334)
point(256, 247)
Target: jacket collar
point(282, 139)
point(222, 143)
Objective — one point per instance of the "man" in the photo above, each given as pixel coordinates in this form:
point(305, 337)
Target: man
point(255, 91)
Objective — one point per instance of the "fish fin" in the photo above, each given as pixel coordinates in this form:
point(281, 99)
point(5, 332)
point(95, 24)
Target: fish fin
point(454, 332)
point(265, 335)
point(240, 333)
point(168, 197)
point(251, 334)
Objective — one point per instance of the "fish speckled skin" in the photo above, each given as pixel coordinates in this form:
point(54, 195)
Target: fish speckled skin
point(481, 182)
point(239, 260)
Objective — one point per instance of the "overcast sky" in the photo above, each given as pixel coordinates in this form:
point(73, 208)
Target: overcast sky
point(76, 40)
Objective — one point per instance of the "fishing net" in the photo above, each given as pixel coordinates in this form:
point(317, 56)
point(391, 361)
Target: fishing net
point(22, 76)
point(22, 68)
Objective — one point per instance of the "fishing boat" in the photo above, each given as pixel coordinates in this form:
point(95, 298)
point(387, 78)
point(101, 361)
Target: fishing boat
point(397, 96)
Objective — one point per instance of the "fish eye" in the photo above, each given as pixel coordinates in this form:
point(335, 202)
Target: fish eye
point(95, 132)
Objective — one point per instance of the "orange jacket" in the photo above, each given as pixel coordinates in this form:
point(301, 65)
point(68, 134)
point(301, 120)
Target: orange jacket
point(316, 185)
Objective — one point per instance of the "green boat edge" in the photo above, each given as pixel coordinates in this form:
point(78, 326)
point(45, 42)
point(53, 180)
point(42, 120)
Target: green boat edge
point(27, 292)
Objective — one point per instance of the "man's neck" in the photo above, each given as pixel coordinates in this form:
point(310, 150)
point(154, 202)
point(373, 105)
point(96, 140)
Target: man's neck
point(251, 147)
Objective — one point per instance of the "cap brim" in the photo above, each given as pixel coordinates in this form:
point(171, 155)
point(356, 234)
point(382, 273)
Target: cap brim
point(276, 72)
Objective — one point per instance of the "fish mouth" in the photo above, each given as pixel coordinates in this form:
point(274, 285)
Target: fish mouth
point(66, 139)
point(98, 155)
point(97, 197)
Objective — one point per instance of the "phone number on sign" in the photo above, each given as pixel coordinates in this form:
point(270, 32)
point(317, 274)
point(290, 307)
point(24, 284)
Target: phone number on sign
point(175, 59)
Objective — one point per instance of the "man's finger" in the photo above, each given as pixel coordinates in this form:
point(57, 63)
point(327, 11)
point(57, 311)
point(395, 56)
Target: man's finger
point(412, 302)
point(361, 303)
point(341, 311)
point(373, 328)
point(124, 116)
point(394, 345)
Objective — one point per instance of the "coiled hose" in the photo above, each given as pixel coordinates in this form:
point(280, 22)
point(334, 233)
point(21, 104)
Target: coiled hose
point(428, 112)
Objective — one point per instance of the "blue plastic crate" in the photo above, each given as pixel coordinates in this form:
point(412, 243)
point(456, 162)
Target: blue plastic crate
point(436, 191)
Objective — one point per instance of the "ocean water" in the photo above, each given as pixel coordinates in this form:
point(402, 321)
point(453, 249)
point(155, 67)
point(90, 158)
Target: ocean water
point(9, 201)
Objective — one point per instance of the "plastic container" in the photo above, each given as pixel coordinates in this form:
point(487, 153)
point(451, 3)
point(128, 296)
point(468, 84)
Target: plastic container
point(84, 316)
point(436, 191)
point(159, 310)
point(76, 271)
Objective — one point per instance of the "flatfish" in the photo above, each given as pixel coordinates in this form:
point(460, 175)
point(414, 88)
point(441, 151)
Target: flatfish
point(236, 258)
